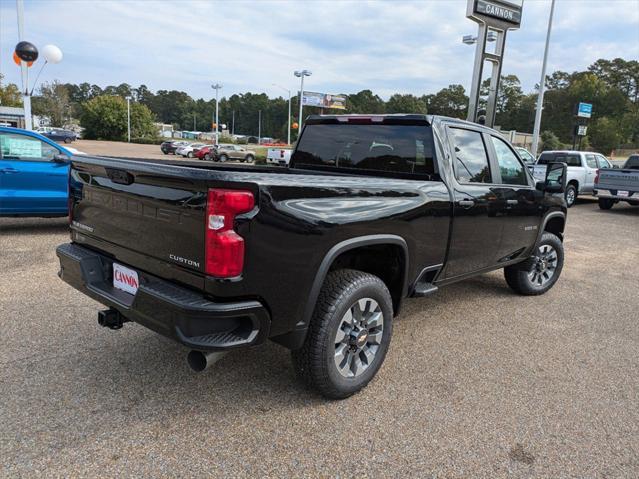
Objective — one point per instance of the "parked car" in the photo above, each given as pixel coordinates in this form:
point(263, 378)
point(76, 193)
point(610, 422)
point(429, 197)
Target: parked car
point(169, 147)
point(582, 170)
point(57, 134)
point(34, 174)
point(278, 156)
point(189, 150)
point(613, 185)
point(319, 256)
point(525, 155)
point(206, 153)
point(234, 152)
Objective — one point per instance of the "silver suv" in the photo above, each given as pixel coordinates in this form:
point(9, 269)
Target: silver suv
point(233, 152)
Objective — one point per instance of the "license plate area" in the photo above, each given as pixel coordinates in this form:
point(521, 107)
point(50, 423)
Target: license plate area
point(623, 193)
point(125, 279)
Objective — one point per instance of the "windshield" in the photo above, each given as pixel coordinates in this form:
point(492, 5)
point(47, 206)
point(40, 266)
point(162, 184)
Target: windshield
point(632, 163)
point(404, 149)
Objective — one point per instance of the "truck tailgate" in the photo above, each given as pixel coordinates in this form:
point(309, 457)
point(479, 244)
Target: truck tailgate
point(145, 211)
point(616, 179)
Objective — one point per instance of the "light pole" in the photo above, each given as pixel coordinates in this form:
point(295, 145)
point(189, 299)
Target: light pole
point(216, 87)
point(288, 138)
point(301, 74)
point(259, 127)
point(542, 86)
point(128, 117)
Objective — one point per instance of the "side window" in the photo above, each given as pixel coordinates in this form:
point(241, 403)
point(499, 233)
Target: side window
point(511, 169)
point(603, 163)
point(471, 160)
point(591, 161)
point(26, 148)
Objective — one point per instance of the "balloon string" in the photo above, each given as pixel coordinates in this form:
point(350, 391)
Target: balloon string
point(36, 80)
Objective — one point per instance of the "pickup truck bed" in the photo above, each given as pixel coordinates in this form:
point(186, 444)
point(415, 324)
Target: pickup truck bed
point(613, 185)
point(219, 257)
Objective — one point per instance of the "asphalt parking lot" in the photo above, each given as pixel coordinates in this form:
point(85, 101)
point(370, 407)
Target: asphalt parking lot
point(478, 382)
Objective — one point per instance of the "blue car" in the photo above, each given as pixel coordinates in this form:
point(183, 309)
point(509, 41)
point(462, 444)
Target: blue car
point(33, 174)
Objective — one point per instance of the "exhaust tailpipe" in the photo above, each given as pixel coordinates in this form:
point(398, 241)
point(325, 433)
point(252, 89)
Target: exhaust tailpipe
point(200, 360)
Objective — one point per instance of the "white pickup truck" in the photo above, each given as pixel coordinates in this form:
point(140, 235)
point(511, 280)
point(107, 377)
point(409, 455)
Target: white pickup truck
point(278, 156)
point(615, 185)
point(582, 170)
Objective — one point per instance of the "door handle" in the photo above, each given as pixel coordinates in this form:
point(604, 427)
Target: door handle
point(466, 203)
point(8, 170)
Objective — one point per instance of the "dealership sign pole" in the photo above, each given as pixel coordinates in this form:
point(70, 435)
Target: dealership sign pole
point(542, 86)
point(498, 16)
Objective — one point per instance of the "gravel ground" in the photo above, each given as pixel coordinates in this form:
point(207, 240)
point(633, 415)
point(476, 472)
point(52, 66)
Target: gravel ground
point(478, 382)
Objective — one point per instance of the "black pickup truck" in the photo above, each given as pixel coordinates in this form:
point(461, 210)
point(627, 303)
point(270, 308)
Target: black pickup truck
point(317, 257)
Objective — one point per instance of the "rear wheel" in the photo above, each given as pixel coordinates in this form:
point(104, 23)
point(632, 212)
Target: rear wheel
point(68, 140)
point(571, 195)
point(189, 154)
point(539, 273)
point(349, 334)
point(606, 203)
point(250, 158)
point(165, 152)
point(207, 157)
point(223, 157)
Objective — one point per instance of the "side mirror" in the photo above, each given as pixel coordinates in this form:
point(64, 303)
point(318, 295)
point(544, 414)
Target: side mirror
point(60, 158)
point(555, 181)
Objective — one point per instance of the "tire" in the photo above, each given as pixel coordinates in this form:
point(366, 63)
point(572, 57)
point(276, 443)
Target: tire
point(250, 158)
point(207, 157)
point(165, 152)
point(189, 154)
point(539, 273)
point(68, 140)
point(223, 158)
point(344, 294)
point(570, 195)
point(606, 203)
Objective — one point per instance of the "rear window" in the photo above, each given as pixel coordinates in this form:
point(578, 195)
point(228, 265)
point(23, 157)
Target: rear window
point(632, 163)
point(406, 149)
point(570, 160)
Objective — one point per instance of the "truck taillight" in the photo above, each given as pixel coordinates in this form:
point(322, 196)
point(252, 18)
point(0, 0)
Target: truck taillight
point(224, 248)
point(597, 177)
point(281, 153)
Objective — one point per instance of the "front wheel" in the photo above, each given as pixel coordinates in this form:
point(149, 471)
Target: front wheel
point(189, 154)
point(541, 271)
point(606, 203)
point(68, 140)
point(223, 157)
point(349, 334)
point(571, 195)
point(250, 158)
point(207, 157)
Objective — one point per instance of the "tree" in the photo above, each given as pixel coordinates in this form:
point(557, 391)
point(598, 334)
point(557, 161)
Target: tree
point(399, 103)
point(364, 101)
point(105, 118)
point(549, 141)
point(451, 101)
point(53, 102)
point(10, 95)
point(604, 135)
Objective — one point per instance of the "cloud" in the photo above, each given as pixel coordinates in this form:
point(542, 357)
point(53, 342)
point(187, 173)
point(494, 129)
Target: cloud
point(410, 46)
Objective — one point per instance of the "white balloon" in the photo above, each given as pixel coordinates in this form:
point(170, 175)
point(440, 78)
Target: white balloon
point(52, 54)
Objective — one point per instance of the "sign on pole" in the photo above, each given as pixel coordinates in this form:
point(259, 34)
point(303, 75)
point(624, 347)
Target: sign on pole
point(323, 100)
point(584, 110)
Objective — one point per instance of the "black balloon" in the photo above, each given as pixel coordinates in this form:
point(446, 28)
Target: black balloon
point(27, 51)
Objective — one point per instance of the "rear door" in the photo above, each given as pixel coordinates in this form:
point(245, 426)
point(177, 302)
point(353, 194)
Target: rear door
point(31, 182)
point(590, 168)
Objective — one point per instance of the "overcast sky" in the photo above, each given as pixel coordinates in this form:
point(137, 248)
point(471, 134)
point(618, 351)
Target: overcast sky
point(387, 46)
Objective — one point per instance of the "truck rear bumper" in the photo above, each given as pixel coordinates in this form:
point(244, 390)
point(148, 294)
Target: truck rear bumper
point(173, 311)
point(613, 195)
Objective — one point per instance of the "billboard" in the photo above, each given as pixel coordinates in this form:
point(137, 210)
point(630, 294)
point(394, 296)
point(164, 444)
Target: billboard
point(584, 110)
point(324, 100)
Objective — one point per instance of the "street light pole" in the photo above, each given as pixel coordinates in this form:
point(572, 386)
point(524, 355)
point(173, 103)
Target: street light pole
point(542, 86)
point(259, 127)
point(128, 118)
point(26, 98)
point(301, 74)
point(288, 138)
point(217, 87)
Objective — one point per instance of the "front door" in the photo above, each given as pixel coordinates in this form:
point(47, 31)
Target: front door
point(476, 230)
point(517, 201)
point(30, 181)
